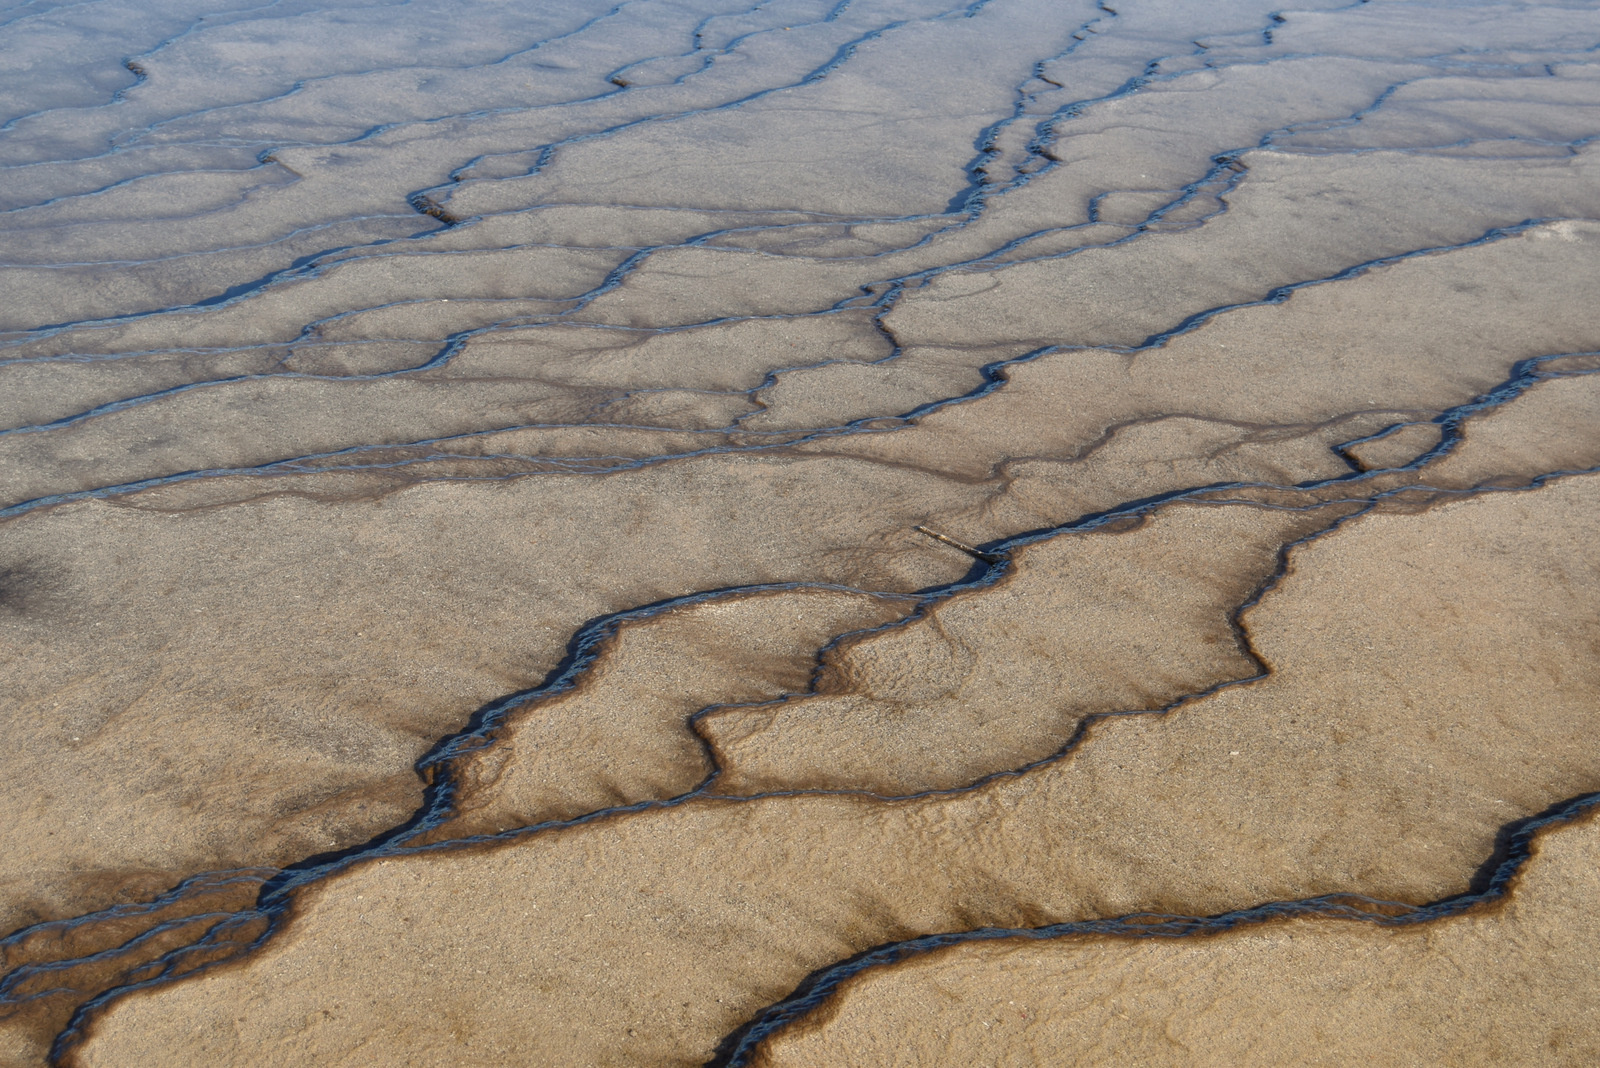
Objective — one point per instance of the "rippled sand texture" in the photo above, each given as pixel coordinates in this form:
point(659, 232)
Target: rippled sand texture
point(460, 477)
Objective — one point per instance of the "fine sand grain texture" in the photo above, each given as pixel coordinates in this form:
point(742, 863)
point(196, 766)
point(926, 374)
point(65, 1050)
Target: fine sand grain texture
point(526, 531)
point(622, 735)
point(1376, 764)
point(1510, 982)
point(1086, 624)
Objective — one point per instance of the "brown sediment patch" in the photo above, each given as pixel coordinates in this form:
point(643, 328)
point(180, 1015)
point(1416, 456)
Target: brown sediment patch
point(268, 418)
point(1123, 294)
point(993, 679)
point(1508, 982)
point(1545, 429)
point(1429, 686)
point(733, 355)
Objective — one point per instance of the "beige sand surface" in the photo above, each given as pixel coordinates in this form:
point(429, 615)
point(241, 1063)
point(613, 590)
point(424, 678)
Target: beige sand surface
point(622, 734)
point(1429, 685)
point(1000, 677)
point(438, 285)
point(363, 365)
point(351, 717)
point(1512, 982)
point(1395, 446)
point(1352, 347)
point(280, 665)
point(1548, 428)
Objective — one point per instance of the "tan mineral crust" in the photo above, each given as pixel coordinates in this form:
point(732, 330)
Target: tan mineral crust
point(530, 534)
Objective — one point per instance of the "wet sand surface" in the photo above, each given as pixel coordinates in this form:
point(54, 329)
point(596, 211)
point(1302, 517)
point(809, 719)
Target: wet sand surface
point(1285, 986)
point(671, 534)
